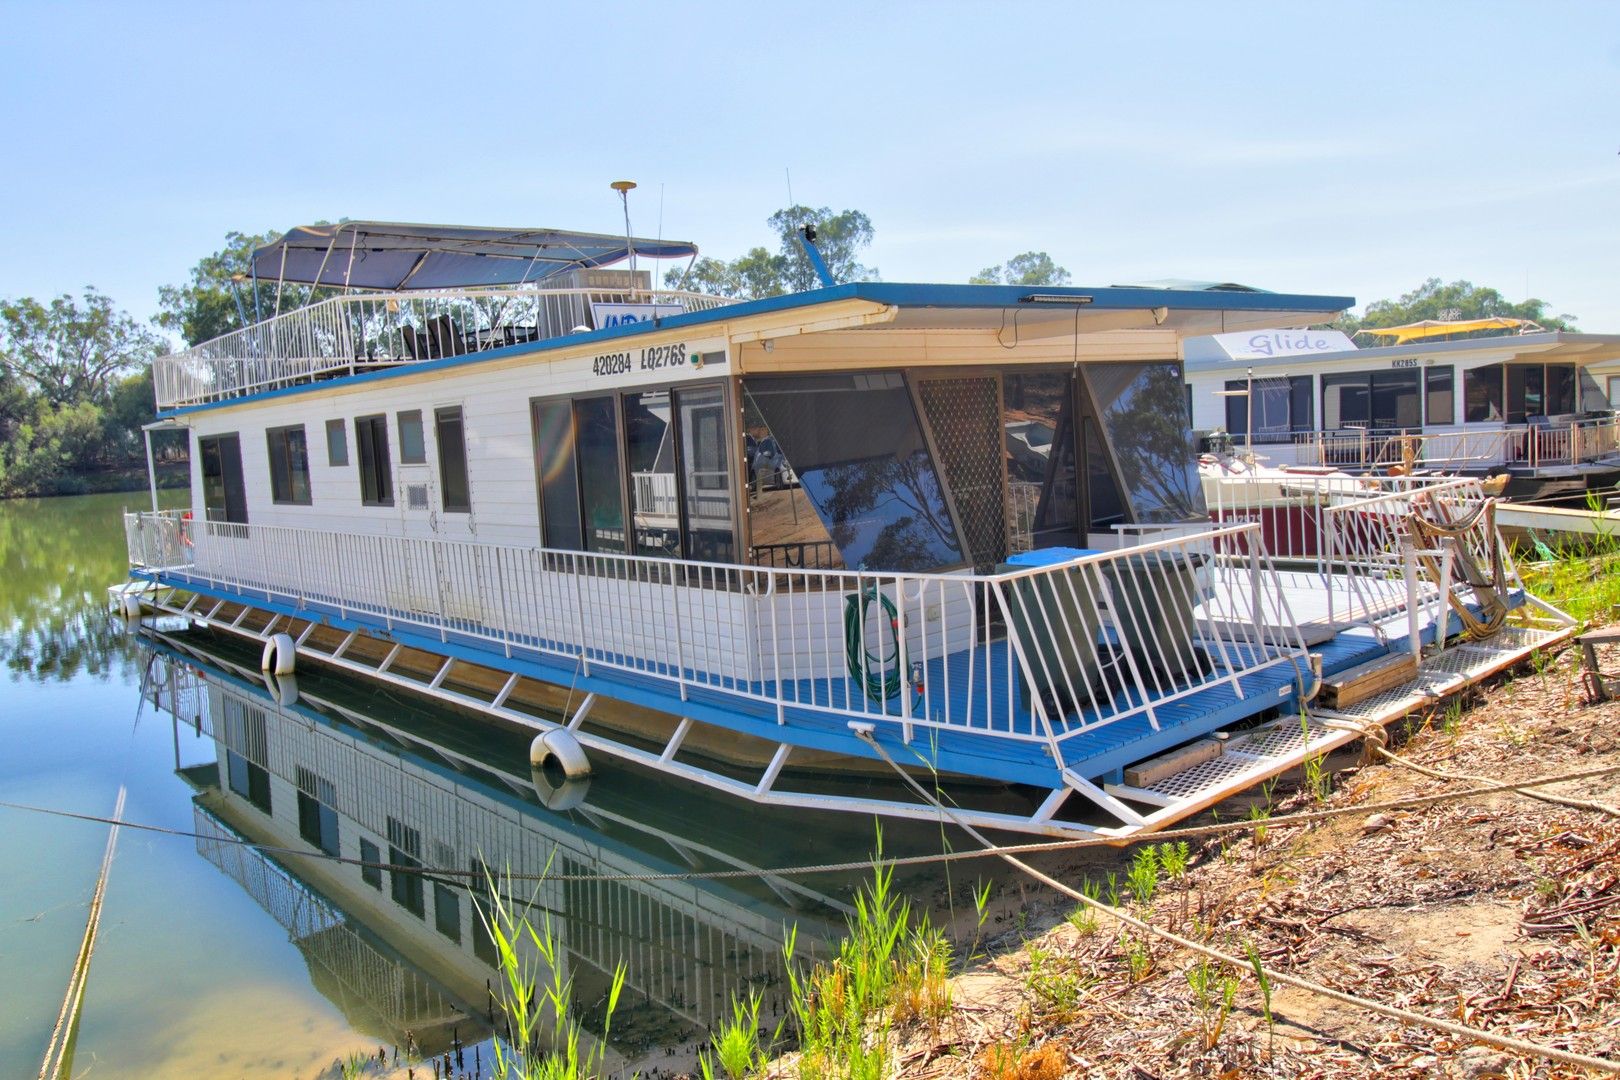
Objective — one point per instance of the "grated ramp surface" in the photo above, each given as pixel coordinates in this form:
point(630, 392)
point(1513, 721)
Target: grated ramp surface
point(1255, 756)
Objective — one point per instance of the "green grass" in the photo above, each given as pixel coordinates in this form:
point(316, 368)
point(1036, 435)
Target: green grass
point(1583, 579)
point(543, 1039)
point(892, 968)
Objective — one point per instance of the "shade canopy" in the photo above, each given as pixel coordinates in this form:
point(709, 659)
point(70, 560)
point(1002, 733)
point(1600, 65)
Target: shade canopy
point(1431, 328)
point(395, 256)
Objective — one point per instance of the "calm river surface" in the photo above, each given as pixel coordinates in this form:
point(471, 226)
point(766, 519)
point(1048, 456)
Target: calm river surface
point(218, 958)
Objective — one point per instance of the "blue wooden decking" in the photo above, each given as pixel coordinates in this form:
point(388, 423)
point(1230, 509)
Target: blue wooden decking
point(986, 729)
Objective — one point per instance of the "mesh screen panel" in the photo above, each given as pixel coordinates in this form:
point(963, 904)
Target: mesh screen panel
point(965, 418)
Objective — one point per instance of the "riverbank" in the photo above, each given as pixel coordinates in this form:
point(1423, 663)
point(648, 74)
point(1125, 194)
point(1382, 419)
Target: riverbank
point(1493, 910)
point(108, 481)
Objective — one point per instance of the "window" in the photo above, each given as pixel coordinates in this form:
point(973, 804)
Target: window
point(447, 911)
point(705, 475)
point(224, 493)
point(1482, 394)
point(1038, 434)
point(1526, 392)
point(854, 444)
point(376, 480)
point(1376, 400)
point(555, 468)
point(649, 436)
point(371, 875)
point(411, 449)
point(289, 465)
point(1140, 407)
point(317, 820)
point(483, 942)
point(1282, 405)
point(248, 779)
point(405, 884)
point(337, 444)
point(450, 436)
point(1560, 389)
point(601, 490)
point(1439, 392)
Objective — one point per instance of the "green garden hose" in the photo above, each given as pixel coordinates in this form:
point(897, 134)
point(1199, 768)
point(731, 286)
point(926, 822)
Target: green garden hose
point(886, 681)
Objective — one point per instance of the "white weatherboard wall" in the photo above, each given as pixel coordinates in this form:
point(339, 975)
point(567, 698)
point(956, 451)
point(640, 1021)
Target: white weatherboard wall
point(494, 398)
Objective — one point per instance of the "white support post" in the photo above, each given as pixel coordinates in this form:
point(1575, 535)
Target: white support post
point(151, 470)
point(582, 712)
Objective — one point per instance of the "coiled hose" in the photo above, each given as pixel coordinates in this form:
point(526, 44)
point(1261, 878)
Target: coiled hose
point(886, 681)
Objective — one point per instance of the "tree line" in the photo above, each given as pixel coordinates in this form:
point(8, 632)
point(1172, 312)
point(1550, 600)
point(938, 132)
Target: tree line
point(76, 372)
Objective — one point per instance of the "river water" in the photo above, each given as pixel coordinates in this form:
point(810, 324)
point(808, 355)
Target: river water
point(233, 946)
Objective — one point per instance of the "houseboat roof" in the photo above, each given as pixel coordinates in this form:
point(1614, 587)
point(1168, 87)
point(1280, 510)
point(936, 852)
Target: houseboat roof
point(397, 256)
point(1233, 352)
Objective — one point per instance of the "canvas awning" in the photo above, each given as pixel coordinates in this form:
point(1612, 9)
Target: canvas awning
point(396, 256)
point(1430, 328)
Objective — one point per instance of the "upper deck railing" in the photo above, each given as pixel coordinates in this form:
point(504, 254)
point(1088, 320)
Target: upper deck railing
point(367, 331)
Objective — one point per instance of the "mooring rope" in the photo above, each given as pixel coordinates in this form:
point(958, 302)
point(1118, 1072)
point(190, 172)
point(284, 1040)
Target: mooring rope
point(1246, 967)
point(56, 1051)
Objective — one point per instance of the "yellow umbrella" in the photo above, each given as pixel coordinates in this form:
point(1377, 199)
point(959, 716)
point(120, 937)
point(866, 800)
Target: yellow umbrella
point(1430, 328)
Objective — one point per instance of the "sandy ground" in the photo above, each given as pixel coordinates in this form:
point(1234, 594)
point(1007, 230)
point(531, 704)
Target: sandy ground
point(1497, 911)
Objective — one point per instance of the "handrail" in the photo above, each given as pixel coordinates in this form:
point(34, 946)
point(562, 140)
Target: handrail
point(1036, 654)
point(363, 331)
point(1535, 445)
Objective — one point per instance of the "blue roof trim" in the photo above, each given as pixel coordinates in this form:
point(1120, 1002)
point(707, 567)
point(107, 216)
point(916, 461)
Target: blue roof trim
point(1112, 298)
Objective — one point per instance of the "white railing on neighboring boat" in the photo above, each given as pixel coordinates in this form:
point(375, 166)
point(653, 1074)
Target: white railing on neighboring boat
point(366, 331)
point(1534, 446)
point(1039, 654)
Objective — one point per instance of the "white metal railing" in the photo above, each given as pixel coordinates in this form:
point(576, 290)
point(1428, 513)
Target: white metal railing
point(1350, 534)
point(1536, 445)
point(1038, 654)
point(362, 331)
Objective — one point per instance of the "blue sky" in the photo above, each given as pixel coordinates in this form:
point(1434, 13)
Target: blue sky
point(1346, 149)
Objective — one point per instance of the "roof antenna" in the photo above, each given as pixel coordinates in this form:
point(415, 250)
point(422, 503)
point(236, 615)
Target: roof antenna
point(789, 174)
point(624, 188)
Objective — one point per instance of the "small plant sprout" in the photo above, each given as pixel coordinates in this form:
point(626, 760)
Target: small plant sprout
point(1173, 858)
point(1143, 876)
point(981, 911)
point(1264, 980)
point(1113, 889)
point(1138, 959)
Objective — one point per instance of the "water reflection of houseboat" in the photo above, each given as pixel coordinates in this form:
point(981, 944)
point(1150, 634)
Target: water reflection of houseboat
point(325, 771)
point(555, 520)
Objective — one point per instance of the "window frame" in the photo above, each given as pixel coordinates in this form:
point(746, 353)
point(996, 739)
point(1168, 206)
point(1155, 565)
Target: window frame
point(337, 455)
point(375, 464)
point(284, 457)
point(413, 416)
point(1450, 372)
point(440, 413)
point(216, 444)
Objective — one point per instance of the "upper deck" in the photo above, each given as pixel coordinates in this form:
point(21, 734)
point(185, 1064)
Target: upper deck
point(361, 332)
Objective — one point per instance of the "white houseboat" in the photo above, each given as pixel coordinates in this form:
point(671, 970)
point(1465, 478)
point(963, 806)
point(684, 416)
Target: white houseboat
point(772, 545)
point(1529, 406)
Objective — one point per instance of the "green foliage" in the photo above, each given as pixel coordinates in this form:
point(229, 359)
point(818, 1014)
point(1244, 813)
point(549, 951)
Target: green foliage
point(1030, 268)
point(205, 307)
point(70, 351)
point(761, 272)
point(1143, 876)
point(1453, 300)
point(891, 967)
point(69, 404)
point(544, 1041)
point(736, 1046)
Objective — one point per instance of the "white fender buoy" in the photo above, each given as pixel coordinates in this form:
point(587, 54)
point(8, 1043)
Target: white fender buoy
point(560, 745)
point(280, 655)
point(283, 689)
point(129, 606)
point(564, 796)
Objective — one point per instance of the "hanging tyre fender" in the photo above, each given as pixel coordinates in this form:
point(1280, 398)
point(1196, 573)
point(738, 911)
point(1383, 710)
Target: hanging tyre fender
point(280, 655)
point(560, 745)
